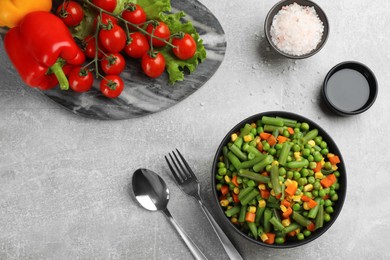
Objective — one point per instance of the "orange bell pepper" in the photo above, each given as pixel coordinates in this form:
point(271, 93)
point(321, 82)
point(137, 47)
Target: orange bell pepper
point(12, 11)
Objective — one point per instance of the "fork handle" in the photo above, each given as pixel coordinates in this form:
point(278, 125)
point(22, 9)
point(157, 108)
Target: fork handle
point(227, 244)
point(190, 244)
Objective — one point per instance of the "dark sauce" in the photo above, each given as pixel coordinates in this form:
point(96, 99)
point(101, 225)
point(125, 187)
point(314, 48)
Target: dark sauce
point(348, 90)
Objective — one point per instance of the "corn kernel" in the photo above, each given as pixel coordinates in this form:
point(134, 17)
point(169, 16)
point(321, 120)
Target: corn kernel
point(306, 205)
point(224, 203)
point(322, 161)
point(264, 237)
point(257, 139)
point(329, 155)
point(312, 143)
point(234, 220)
point(298, 230)
point(288, 182)
point(253, 125)
point(275, 162)
point(252, 209)
point(273, 192)
point(286, 222)
point(262, 203)
point(318, 175)
point(227, 179)
point(308, 187)
point(297, 156)
point(261, 186)
point(234, 137)
point(248, 138)
point(283, 208)
point(297, 198)
point(236, 190)
point(334, 167)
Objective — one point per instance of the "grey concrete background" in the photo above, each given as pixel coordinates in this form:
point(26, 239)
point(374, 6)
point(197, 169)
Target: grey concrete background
point(64, 179)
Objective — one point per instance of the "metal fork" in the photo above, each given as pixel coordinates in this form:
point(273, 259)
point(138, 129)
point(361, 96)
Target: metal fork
point(188, 183)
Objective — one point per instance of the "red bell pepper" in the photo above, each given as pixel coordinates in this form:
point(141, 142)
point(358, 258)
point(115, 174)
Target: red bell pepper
point(38, 48)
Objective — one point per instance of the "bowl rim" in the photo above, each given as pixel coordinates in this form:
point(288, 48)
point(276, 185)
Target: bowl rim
point(331, 144)
point(278, 6)
point(351, 65)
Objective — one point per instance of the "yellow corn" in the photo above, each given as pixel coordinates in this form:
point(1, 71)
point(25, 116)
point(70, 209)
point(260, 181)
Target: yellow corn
point(236, 190)
point(273, 192)
point(257, 139)
point(306, 205)
point(298, 230)
point(288, 182)
point(334, 167)
point(308, 187)
point(312, 143)
point(286, 222)
point(297, 198)
point(329, 155)
point(248, 138)
point(252, 209)
point(264, 237)
point(297, 156)
point(262, 203)
point(253, 125)
point(234, 137)
point(227, 179)
point(275, 162)
point(283, 208)
point(261, 186)
point(322, 161)
point(318, 175)
point(224, 203)
point(234, 220)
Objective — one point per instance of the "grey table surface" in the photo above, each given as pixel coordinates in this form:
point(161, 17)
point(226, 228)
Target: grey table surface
point(64, 179)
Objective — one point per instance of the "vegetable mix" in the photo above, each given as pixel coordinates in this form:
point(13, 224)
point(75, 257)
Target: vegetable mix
point(277, 181)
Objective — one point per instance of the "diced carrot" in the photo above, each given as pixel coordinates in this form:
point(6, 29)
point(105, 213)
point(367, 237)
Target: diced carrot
point(291, 189)
point(305, 198)
point(311, 227)
point(271, 140)
point(235, 198)
point(286, 203)
point(278, 196)
point(265, 173)
point(260, 146)
point(334, 159)
point(234, 180)
point(250, 217)
point(318, 167)
point(222, 197)
point(311, 203)
point(265, 194)
point(290, 130)
point(281, 139)
point(287, 213)
point(291, 234)
point(328, 181)
point(271, 238)
point(224, 189)
point(327, 196)
point(264, 135)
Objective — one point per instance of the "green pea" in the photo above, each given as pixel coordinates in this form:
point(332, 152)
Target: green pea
point(290, 175)
point(321, 193)
point(302, 181)
point(305, 213)
point(312, 165)
point(279, 240)
point(323, 145)
point(297, 130)
point(253, 131)
point(219, 177)
point(311, 180)
point(300, 236)
point(221, 165)
point(337, 174)
point(266, 146)
point(251, 183)
point(306, 233)
point(222, 171)
point(329, 209)
point(306, 152)
point(289, 158)
point(317, 156)
point(218, 186)
point(315, 193)
point(286, 133)
point(310, 158)
point(305, 127)
point(318, 139)
point(327, 166)
point(231, 168)
point(282, 171)
point(317, 185)
point(296, 207)
point(334, 197)
point(326, 217)
point(278, 146)
point(268, 168)
point(296, 148)
point(272, 151)
point(239, 179)
point(308, 194)
point(297, 175)
point(328, 203)
point(332, 192)
point(245, 146)
point(304, 172)
point(324, 151)
point(260, 129)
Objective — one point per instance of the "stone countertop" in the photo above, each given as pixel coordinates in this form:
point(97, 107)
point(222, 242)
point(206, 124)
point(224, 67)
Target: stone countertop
point(65, 179)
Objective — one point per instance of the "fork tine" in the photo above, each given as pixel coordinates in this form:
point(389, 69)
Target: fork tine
point(177, 178)
point(186, 164)
point(178, 170)
point(183, 170)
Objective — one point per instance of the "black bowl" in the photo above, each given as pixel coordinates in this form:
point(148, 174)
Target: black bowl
point(275, 9)
point(332, 148)
point(349, 93)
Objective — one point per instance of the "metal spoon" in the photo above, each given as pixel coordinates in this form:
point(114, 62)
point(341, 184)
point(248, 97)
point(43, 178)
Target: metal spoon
point(152, 193)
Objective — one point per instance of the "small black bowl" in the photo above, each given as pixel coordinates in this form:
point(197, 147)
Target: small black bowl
point(332, 148)
point(278, 6)
point(350, 90)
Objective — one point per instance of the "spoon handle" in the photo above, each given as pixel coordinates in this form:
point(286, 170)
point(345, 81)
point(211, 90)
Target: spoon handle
point(227, 244)
point(191, 245)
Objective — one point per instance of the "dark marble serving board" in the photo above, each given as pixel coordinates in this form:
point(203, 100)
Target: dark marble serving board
point(142, 95)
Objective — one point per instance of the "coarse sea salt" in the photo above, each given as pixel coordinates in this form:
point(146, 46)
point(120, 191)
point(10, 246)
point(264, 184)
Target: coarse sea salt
point(296, 29)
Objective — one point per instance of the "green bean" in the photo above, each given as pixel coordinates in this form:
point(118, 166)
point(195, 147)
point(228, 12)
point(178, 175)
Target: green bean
point(253, 228)
point(266, 120)
point(275, 179)
point(260, 231)
point(241, 217)
point(272, 128)
point(244, 192)
point(297, 164)
point(259, 214)
point(250, 163)
point(245, 130)
point(250, 196)
point(234, 160)
point(225, 151)
point(293, 226)
point(267, 217)
point(276, 223)
point(232, 211)
point(309, 136)
point(313, 212)
point(287, 121)
point(261, 165)
point(301, 220)
point(237, 152)
point(286, 147)
point(255, 151)
point(238, 142)
point(253, 176)
point(320, 217)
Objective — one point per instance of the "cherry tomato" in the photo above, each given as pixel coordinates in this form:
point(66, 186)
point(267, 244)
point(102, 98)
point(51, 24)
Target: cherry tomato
point(108, 5)
point(90, 47)
point(112, 86)
point(185, 47)
point(105, 19)
point(153, 65)
point(113, 64)
point(80, 79)
point(161, 30)
point(71, 13)
point(138, 46)
point(113, 38)
point(134, 14)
